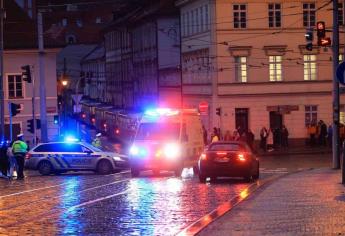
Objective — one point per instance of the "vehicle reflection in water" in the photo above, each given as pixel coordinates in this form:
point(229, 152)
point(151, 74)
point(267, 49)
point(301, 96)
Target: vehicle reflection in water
point(70, 197)
point(152, 202)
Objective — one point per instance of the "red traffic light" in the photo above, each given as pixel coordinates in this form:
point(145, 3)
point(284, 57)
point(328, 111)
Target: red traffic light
point(324, 42)
point(321, 29)
point(93, 120)
point(83, 115)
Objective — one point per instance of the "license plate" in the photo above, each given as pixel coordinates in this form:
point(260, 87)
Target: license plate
point(222, 159)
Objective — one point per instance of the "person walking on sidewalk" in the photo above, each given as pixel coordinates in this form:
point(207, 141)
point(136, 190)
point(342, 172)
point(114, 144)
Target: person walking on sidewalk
point(312, 129)
point(285, 137)
point(3, 159)
point(19, 149)
point(263, 138)
point(204, 134)
point(330, 136)
point(250, 139)
point(270, 146)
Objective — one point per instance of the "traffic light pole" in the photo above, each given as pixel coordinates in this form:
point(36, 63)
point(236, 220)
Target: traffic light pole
point(335, 91)
point(2, 100)
point(33, 106)
point(10, 114)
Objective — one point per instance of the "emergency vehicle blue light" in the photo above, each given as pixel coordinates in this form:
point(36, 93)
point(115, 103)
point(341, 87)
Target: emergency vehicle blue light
point(71, 139)
point(161, 112)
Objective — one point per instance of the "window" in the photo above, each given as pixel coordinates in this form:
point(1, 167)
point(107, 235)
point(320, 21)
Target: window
point(241, 69)
point(275, 67)
point(310, 114)
point(309, 67)
point(187, 24)
point(201, 20)
point(207, 20)
point(341, 57)
point(340, 14)
point(64, 22)
point(197, 21)
point(274, 15)
point(98, 20)
point(308, 14)
point(15, 86)
point(240, 18)
point(79, 23)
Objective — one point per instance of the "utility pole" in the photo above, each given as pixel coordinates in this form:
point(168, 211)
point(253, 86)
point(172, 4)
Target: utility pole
point(335, 91)
point(43, 109)
point(2, 101)
point(33, 105)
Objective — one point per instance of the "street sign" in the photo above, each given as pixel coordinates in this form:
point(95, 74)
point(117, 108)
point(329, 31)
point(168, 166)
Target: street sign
point(340, 73)
point(77, 97)
point(203, 108)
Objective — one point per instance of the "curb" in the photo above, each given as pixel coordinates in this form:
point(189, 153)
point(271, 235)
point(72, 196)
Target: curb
point(204, 221)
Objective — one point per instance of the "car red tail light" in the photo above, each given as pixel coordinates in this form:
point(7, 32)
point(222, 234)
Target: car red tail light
point(27, 156)
point(203, 157)
point(241, 157)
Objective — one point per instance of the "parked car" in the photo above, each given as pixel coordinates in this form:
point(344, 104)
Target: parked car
point(228, 159)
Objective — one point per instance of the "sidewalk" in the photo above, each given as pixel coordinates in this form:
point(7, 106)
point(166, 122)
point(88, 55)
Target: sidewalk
point(305, 203)
point(300, 150)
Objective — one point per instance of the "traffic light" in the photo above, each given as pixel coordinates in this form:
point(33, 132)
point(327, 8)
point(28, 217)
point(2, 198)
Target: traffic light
point(15, 109)
point(56, 119)
point(30, 125)
point(309, 36)
point(321, 34)
point(218, 111)
point(321, 29)
point(26, 73)
point(83, 115)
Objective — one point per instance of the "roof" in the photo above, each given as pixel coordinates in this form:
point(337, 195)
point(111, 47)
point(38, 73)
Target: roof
point(20, 31)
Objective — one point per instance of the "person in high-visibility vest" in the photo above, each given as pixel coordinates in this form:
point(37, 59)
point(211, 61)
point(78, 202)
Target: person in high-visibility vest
point(19, 149)
point(97, 141)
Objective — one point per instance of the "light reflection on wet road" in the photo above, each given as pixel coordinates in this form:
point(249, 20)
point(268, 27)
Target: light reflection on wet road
point(109, 205)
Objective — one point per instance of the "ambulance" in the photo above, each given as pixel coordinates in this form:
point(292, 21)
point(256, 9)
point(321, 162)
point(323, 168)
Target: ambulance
point(167, 139)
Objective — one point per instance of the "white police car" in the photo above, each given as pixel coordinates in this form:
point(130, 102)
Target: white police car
point(59, 157)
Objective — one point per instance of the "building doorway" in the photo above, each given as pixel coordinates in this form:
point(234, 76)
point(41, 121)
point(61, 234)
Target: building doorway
point(241, 119)
point(276, 120)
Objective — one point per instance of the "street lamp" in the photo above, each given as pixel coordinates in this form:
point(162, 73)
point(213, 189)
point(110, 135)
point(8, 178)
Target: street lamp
point(64, 83)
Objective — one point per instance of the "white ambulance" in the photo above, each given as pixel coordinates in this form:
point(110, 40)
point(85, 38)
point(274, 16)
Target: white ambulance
point(167, 139)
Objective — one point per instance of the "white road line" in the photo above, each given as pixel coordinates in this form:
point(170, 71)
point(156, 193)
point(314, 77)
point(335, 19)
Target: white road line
point(97, 200)
point(48, 187)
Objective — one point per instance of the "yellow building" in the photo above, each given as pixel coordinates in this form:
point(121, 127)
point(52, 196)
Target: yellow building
point(250, 59)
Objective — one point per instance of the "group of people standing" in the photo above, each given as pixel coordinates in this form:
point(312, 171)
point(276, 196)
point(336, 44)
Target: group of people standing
point(272, 138)
point(12, 157)
point(237, 135)
point(320, 135)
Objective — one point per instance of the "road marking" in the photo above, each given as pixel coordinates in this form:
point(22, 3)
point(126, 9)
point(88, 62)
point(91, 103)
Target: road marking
point(204, 221)
point(48, 187)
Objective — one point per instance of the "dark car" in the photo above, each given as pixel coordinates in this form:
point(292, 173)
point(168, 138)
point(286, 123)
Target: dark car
point(228, 159)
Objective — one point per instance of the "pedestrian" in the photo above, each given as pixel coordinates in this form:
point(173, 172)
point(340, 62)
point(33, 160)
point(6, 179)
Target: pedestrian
point(3, 159)
point(97, 141)
point(19, 149)
point(227, 136)
point(285, 137)
point(235, 135)
point(204, 134)
point(263, 138)
point(270, 140)
point(215, 135)
point(13, 165)
point(250, 139)
point(312, 130)
point(330, 136)
point(322, 133)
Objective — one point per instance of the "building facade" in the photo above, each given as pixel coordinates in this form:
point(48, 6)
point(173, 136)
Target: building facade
point(143, 58)
point(254, 64)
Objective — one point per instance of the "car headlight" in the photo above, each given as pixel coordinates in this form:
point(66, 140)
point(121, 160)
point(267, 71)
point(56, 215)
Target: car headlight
point(172, 150)
point(134, 150)
point(117, 158)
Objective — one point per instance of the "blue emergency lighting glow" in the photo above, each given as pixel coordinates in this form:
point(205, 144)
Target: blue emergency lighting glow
point(134, 150)
point(161, 112)
point(71, 139)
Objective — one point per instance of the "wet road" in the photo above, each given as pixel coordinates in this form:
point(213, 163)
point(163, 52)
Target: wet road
point(83, 203)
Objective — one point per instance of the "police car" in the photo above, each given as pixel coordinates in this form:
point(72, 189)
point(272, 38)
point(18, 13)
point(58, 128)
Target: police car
point(59, 157)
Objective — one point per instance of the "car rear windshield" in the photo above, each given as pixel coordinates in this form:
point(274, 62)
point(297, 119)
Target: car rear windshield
point(158, 131)
point(226, 147)
point(59, 147)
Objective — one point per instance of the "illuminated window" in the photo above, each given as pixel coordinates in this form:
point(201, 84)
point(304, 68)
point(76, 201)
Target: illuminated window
point(275, 65)
point(240, 15)
point(341, 58)
point(310, 114)
point(274, 15)
point(309, 67)
point(308, 14)
point(15, 86)
point(241, 69)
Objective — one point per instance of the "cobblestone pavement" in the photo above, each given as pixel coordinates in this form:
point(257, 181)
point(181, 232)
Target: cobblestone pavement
point(305, 203)
point(88, 204)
